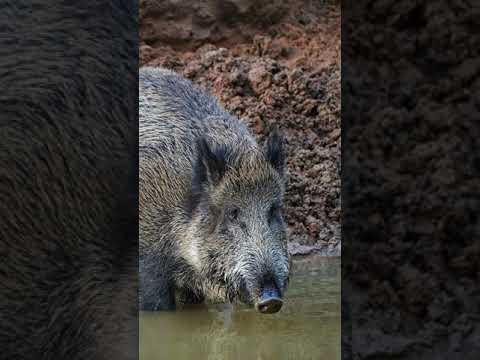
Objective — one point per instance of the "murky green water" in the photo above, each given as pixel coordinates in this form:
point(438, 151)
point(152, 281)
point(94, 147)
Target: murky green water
point(307, 327)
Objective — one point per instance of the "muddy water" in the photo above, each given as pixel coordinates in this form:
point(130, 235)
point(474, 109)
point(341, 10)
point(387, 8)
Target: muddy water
point(307, 327)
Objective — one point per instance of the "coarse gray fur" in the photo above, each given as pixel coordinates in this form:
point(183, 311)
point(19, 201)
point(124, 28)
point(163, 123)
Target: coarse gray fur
point(211, 223)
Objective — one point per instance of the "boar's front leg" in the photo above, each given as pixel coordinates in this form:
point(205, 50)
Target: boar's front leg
point(156, 290)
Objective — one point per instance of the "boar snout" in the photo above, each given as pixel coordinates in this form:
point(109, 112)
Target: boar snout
point(270, 300)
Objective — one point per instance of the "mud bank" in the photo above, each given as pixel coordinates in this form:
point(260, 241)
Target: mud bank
point(413, 257)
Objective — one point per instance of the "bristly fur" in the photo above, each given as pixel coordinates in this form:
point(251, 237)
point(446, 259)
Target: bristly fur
point(68, 179)
point(210, 198)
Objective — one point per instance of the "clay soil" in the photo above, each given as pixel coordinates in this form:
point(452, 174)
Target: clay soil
point(270, 64)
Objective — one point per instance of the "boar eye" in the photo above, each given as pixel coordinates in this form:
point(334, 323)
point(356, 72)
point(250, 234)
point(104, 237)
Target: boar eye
point(273, 211)
point(233, 214)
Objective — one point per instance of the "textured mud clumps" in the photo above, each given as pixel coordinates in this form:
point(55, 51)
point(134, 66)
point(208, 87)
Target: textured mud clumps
point(411, 196)
point(284, 74)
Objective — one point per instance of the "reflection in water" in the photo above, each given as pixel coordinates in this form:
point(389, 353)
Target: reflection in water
point(307, 327)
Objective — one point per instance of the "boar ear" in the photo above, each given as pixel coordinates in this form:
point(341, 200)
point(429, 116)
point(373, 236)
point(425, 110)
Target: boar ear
point(212, 162)
point(274, 149)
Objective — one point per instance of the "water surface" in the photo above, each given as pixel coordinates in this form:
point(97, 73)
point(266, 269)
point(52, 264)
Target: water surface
point(307, 327)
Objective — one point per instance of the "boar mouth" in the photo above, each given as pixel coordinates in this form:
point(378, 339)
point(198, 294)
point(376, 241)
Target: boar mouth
point(243, 293)
point(266, 298)
point(239, 291)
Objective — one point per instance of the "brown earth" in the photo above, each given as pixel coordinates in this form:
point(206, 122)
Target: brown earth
point(271, 65)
